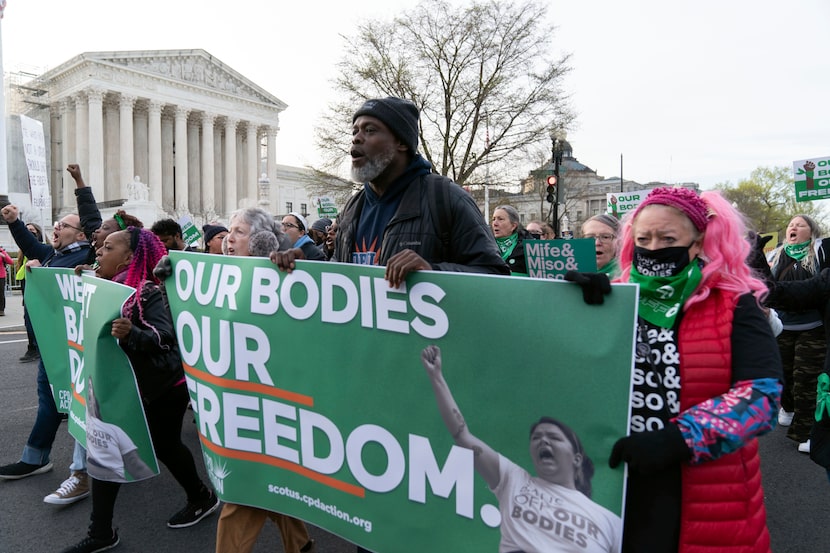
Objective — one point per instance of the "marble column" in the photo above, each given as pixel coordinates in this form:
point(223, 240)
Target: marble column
point(126, 154)
point(271, 163)
point(141, 145)
point(67, 187)
point(194, 167)
point(230, 165)
point(154, 177)
point(180, 145)
point(252, 174)
point(95, 174)
point(81, 135)
point(218, 171)
point(167, 164)
point(112, 154)
point(208, 173)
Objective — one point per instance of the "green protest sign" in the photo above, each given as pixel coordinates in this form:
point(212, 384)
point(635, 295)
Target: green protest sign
point(811, 179)
point(554, 258)
point(108, 422)
point(311, 398)
point(326, 207)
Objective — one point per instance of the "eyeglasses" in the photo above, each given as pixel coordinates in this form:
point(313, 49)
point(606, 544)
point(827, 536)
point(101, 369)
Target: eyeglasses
point(535, 235)
point(290, 225)
point(60, 225)
point(604, 238)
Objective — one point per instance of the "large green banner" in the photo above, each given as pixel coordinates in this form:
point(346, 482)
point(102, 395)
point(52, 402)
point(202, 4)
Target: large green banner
point(311, 398)
point(90, 375)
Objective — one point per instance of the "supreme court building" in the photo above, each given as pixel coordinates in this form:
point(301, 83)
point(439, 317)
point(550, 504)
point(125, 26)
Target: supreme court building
point(199, 137)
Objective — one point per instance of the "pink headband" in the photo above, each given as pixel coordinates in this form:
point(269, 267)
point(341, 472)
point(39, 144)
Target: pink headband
point(683, 199)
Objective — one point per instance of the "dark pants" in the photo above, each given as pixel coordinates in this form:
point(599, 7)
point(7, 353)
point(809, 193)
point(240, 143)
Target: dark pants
point(164, 420)
point(2, 293)
point(39, 445)
point(802, 355)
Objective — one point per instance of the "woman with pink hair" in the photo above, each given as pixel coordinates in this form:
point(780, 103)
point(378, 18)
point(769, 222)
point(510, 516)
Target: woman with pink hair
point(707, 379)
point(145, 332)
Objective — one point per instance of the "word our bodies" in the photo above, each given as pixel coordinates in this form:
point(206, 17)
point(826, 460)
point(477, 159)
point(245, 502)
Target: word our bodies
point(336, 299)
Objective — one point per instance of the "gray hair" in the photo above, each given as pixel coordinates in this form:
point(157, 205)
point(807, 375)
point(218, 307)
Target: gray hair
point(606, 219)
point(512, 214)
point(262, 223)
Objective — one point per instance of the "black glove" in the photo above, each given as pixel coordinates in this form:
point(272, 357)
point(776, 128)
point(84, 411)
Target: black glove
point(594, 285)
point(163, 269)
point(647, 452)
point(757, 259)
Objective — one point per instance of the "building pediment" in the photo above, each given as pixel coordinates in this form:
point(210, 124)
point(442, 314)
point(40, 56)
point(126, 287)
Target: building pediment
point(193, 68)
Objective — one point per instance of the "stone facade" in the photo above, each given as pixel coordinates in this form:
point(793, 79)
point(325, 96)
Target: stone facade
point(200, 136)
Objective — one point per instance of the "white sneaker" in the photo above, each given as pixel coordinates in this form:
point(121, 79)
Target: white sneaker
point(804, 447)
point(785, 418)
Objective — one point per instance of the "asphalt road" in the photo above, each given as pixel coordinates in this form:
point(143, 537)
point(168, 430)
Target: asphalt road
point(797, 491)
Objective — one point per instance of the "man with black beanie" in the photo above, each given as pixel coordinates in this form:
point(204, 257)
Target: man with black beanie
point(405, 217)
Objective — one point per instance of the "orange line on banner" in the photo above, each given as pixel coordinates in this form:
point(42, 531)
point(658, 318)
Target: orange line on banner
point(75, 345)
point(263, 389)
point(283, 464)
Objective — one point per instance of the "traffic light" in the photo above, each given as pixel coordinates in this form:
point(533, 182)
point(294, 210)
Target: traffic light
point(551, 196)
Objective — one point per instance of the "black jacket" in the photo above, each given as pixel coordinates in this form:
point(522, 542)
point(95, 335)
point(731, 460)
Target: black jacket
point(152, 346)
point(471, 247)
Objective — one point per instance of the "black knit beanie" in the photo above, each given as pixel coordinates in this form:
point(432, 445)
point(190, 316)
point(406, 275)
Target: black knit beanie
point(401, 116)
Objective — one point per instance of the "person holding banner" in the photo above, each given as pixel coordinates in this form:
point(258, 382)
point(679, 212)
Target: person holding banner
point(707, 379)
point(405, 217)
point(603, 229)
point(145, 332)
point(253, 233)
point(560, 493)
point(69, 247)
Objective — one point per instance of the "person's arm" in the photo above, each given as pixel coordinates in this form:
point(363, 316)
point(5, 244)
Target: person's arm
point(135, 466)
point(7, 259)
point(485, 458)
point(725, 423)
point(473, 247)
point(159, 336)
point(88, 210)
point(25, 240)
point(798, 295)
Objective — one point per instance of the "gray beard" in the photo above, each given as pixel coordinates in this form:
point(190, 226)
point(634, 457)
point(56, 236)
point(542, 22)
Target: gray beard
point(373, 167)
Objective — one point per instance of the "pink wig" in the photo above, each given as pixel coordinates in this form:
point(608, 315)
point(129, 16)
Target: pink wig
point(147, 252)
point(724, 251)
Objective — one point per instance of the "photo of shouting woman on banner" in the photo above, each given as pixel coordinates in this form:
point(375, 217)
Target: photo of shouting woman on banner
point(550, 512)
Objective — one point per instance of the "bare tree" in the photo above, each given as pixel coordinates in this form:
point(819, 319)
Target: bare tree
point(475, 70)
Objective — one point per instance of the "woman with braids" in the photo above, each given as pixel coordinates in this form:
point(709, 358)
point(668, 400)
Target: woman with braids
point(145, 332)
point(552, 511)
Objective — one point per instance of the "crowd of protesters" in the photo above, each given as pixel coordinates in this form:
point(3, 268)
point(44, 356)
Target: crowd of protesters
point(406, 218)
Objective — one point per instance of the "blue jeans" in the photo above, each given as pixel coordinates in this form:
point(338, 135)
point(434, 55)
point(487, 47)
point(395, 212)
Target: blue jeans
point(39, 445)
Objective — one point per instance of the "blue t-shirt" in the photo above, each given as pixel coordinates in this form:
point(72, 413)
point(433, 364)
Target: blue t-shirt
point(378, 211)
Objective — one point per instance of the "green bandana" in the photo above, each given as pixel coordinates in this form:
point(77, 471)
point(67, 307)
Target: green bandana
point(611, 268)
point(507, 244)
point(798, 251)
point(823, 398)
point(661, 298)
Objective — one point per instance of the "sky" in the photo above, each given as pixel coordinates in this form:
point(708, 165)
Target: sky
point(702, 91)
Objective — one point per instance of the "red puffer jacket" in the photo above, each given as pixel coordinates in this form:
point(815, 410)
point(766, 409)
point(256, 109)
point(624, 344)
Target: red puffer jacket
point(722, 507)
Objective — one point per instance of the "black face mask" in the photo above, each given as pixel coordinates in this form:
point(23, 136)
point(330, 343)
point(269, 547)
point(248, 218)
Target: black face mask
point(665, 262)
